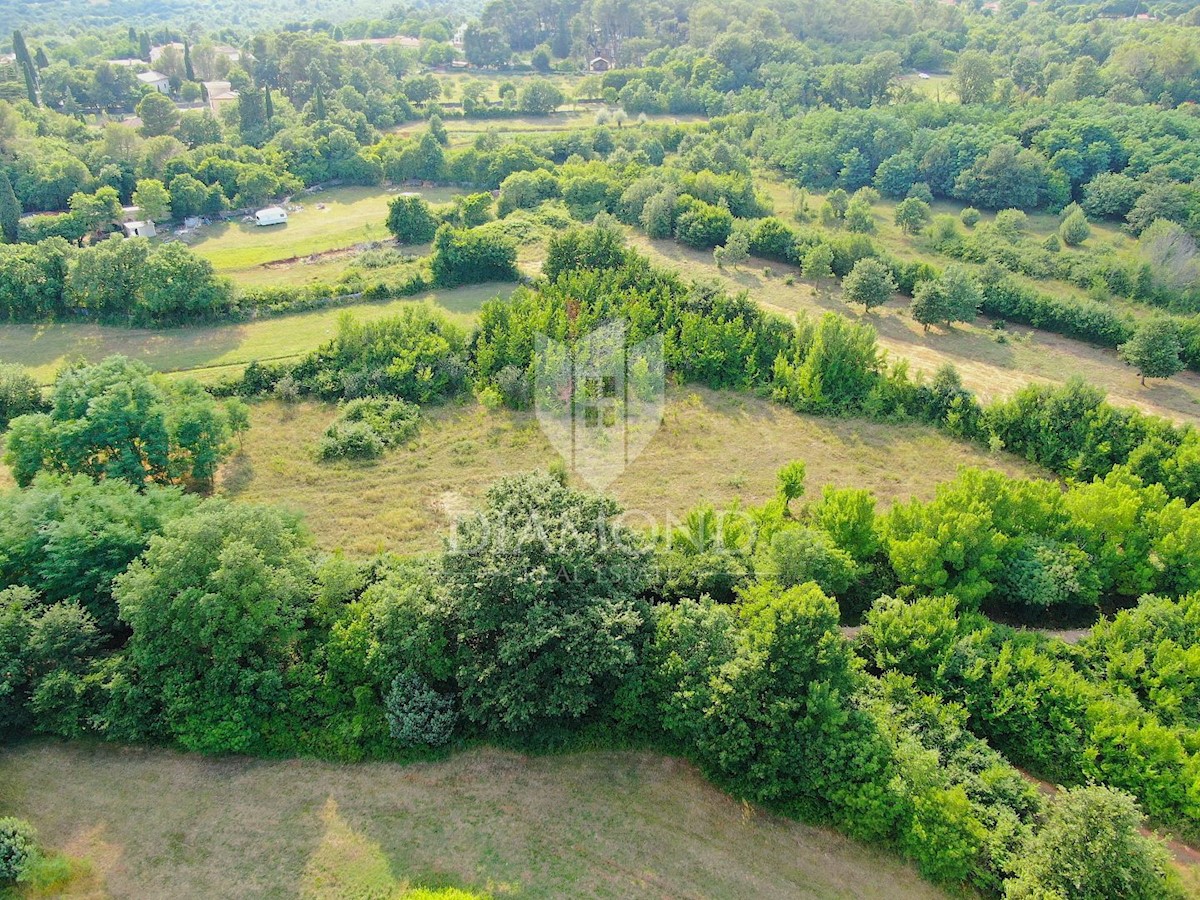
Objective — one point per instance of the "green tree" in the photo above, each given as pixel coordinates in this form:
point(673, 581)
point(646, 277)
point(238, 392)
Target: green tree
point(1074, 229)
point(912, 215)
point(19, 393)
point(974, 76)
point(410, 220)
point(870, 283)
point(1154, 350)
point(546, 587)
point(735, 252)
point(69, 537)
point(10, 210)
point(1091, 848)
point(216, 605)
point(930, 305)
point(97, 211)
point(539, 97)
point(818, 262)
point(158, 114)
point(112, 420)
point(152, 199)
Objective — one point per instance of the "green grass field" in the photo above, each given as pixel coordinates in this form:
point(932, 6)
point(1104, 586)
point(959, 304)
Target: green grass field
point(154, 823)
point(210, 351)
point(713, 446)
point(351, 216)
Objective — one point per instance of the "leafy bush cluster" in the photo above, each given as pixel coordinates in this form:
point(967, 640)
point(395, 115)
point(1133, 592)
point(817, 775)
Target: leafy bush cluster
point(366, 426)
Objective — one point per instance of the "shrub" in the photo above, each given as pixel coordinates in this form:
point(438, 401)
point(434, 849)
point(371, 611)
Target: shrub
point(1075, 229)
point(19, 393)
point(394, 421)
point(350, 440)
point(417, 715)
point(18, 849)
point(410, 220)
point(969, 216)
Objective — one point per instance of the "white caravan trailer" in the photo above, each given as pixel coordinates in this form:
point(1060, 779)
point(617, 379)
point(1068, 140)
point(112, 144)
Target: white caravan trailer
point(272, 215)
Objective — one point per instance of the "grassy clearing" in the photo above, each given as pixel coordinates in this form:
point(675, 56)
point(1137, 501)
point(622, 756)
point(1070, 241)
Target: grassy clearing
point(209, 351)
point(715, 447)
point(351, 215)
point(153, 823)
point(464, 131)
point(988, 366)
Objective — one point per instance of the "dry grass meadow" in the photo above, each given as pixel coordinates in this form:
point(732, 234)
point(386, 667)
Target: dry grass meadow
point(992, 363)
point(577, 825)
point(715, 447)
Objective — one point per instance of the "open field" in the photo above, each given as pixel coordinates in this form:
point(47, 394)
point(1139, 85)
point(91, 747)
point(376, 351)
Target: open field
point(464, 131)
point(212, 350)
point(154, 823)
point(988, 366)
point(714, 447)
point(351, 215)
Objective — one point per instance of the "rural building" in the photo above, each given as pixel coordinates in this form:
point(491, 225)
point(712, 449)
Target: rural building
point(218, 93)
point(140, 229)
point(157, 52)
point(272, 215)
point(156, 80)
point(600, 64)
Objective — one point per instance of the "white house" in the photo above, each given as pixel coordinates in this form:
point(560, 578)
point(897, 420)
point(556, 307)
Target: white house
point(272, 215)
point(218, 93)
point(140, 229)
point(156, 80)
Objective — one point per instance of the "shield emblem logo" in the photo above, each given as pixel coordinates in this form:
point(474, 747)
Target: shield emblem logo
point(598, 400)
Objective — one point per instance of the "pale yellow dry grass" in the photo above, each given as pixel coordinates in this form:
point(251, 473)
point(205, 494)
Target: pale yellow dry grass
point(166, 825)
point(715, 447)
point(989, 367)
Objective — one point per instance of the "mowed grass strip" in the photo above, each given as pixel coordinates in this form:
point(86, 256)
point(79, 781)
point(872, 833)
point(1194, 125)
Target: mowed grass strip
point(153, 823)
point(712, 446)
point(45, 348)
point(350, 216)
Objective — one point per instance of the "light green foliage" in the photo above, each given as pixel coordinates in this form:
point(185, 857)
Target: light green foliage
point(834, 367)
point(848, 516)
point(216, 606)
point(796, 555)
point(870, 283)
point(19, 393)
point(950, 544)
point(1154, 350)
point(818, 262)
point(410, 220)
point(152, 200)
point(912, 215)
point(546, 588)
point(1090, 849)
point(1074, 229)
point(790, 481)
point(68, 538)
point(114, 420)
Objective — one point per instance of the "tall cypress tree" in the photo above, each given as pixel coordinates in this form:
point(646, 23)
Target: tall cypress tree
point(20, 50)
point(319, 104)
point(10, 210)
point(188, 71)
point(41, 58)
point(269, 104)
point(31, 83)
point(144, 46)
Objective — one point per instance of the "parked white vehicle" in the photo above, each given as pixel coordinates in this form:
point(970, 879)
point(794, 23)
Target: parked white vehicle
point(272, 215)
